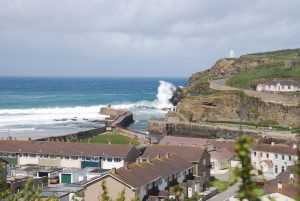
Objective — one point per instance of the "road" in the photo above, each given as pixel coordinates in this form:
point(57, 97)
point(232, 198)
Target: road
point(267, 97)
point(231, 191)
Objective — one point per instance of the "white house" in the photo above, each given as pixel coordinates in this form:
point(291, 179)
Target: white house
point(279, 86)
point(273, 159)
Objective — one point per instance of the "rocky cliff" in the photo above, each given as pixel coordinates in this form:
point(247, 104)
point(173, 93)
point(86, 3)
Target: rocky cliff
point(234, 107)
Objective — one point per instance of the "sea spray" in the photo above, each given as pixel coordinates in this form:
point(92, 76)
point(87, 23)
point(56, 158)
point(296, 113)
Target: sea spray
point(165, 92)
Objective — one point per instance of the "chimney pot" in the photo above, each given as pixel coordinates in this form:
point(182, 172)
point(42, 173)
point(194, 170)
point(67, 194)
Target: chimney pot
point(279, 185)
point(158, 156)
point(294, 146)
point(114, 171)
point(167, 155)
point(126, 165)
point(148, 159)
point(272, 143)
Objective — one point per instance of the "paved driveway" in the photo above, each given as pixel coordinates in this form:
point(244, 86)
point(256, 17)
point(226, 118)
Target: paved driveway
point(231, 191)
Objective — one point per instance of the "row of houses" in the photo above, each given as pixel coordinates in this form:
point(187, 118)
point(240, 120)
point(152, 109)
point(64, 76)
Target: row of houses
point(279, 86)
point(151, 174)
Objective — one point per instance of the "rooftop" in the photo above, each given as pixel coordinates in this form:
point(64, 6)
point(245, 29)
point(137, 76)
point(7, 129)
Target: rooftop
point(191, 154)
point(275, 148)
point(288, 185)
point(64, 148)
point(222, 153)
point(140, 174)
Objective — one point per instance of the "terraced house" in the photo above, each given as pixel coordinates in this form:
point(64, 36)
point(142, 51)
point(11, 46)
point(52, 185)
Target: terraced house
point(273, 159)
point(146, 179)
point(66, 154)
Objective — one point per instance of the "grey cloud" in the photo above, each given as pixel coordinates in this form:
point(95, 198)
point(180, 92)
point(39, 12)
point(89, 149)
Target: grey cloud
point(136, 37)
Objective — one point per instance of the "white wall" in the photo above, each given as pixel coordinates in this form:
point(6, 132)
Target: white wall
point(70, 163)
point(23, 160)
point(109, 165)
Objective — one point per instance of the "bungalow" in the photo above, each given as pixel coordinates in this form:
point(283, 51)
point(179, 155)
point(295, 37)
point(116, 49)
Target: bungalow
point(66, 154)
point(279, 85)
point(220, 159)
point(198, 156)
point(273, 159)
point(143, 178)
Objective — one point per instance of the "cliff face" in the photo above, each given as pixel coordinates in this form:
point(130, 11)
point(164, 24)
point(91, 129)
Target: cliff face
point(231, 106)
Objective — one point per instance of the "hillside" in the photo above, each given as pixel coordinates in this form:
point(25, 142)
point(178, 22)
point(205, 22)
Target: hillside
point(202, 104)
point(248, 70)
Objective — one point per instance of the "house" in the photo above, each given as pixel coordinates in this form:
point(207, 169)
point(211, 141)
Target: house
point(143, 179)
point(273, 159)
point(3, 174)
point(195, 155)
point(279, 86)
point(221, 151)
point(283, 186)
point(66, 154)
point(49, 172)
point(220, 160)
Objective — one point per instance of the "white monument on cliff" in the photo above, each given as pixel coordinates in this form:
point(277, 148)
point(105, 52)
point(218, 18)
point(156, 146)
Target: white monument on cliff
point(231, 54)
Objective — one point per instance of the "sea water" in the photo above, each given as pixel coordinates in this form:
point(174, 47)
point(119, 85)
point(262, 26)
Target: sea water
point(31, 106)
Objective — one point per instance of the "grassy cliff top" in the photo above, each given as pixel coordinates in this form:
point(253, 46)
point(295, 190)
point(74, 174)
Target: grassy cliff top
point(248, 70)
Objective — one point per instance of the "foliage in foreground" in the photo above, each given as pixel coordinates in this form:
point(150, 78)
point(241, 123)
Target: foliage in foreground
point(248, 189)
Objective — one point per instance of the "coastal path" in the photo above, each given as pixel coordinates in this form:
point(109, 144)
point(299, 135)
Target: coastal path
point(267, 97)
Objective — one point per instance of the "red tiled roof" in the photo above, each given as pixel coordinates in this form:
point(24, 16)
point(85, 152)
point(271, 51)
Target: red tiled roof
point(276, 148)
point(289, 188)
point(191, 154)
point(140, 174)
point(64, 148)
point(222, 153)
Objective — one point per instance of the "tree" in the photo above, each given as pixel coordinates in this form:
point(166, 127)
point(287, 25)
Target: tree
point(121, 196)
point(248, 189)
point(178, 189)
point(104, 195)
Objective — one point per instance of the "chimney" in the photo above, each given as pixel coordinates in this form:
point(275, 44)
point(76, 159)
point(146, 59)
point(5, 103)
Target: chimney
point(279, 185)
point(272, 143)
point(167, 155)
point(292, 176)
point(114, 171)
point(126, 165)
point(158, 156)
point(294, 146)
point(148, 159)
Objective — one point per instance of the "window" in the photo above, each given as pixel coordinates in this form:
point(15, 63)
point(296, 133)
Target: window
point(67, 157)
point(109, 159)
point(169, 178)
point(178, 174)
point(52, 157)
point(204, 161)
point(276, 156)
point(87, 158)
point(117, 160)
point(103, 159)
point(254, 153)
point(261, 154)
point(282, 156)
point(156, 183)
point(166, 180)
point(46, 156)
point(95, 159)
point(74, 157)
point(276, 169)
point(25, 155)
point(32, 155)
point(160, 181)
point(290, 158)
point(267, 155)
point(282, 168)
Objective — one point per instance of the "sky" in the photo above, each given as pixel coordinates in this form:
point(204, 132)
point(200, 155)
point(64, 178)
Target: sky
point(138, 38)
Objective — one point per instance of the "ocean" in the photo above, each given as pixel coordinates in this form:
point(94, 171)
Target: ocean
point(43, 106)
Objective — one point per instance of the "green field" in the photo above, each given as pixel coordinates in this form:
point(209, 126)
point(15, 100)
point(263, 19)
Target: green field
point(221, 185)
point(113, 138)
point(274, 69)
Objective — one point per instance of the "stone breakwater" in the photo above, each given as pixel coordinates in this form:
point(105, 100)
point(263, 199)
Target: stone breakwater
point(117, 118)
